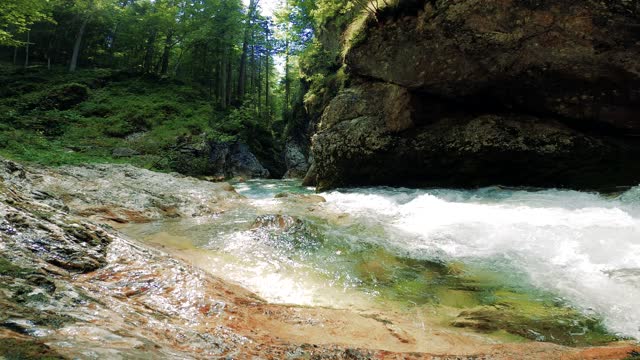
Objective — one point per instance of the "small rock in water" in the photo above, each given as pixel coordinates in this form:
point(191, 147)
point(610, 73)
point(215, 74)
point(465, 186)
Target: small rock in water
point(278, 221)
point(305, 198)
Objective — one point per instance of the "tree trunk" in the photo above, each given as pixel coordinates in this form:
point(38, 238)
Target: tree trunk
point(26, 52)
point(259, 86)
point(267, 86)
point(76, 47)
point(223, 83)
point(15, 55)
point(287, 81)
point(112, 47)
point(229, 81)
point(164, 68)
point(242, 76)
point(178, 62)
point(49, 51)
point(148, 56)
point(252, 66)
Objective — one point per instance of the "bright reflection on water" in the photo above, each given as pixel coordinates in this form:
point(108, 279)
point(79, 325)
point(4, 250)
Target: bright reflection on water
point(581, 247)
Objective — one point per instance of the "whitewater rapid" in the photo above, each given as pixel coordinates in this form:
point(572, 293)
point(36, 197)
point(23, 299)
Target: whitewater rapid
point(585, 247)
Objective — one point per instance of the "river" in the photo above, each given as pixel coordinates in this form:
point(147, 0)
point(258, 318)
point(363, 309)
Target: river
point(497, 248)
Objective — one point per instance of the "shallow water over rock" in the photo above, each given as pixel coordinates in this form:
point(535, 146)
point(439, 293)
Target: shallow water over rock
point(546, 265)
point(73, 288)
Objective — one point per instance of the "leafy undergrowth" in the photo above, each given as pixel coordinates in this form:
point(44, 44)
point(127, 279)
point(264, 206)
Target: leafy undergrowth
point(98, 116)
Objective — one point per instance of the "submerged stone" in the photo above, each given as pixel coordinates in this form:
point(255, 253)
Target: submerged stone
point(282, 222)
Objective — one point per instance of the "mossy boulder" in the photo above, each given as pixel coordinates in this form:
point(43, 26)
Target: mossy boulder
point(22, 349)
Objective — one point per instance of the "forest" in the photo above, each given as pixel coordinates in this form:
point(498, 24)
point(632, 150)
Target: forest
point(80, 76)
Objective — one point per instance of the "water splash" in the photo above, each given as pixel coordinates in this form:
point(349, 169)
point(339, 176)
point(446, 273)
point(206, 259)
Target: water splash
point(583, 246)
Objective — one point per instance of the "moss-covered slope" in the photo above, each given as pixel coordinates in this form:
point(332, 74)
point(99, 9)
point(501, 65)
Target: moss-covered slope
point(55, 118)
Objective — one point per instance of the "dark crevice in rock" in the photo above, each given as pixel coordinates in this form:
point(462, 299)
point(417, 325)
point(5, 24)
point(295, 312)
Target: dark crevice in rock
point(614, 121)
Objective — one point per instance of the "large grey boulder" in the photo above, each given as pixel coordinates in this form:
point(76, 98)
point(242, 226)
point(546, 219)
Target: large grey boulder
point(295, 161)
point(232, 159)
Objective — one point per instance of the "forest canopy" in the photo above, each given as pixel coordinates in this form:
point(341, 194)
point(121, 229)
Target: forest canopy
point(226, 44)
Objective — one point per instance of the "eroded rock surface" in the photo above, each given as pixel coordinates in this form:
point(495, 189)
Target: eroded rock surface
point(121, 193)
point(235, 159)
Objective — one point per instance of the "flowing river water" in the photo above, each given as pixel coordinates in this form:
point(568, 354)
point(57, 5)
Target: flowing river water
point(527, 258)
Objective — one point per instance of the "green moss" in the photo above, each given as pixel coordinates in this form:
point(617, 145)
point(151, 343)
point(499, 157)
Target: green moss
point(356, 32)
point(51, 320)
point(18, 349)
point(7, 268)
point(537, 321)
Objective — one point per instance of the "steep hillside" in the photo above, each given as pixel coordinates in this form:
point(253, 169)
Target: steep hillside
point(56, 118)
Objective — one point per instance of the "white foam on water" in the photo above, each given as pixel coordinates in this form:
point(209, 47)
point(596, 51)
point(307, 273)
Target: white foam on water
point(582, 246)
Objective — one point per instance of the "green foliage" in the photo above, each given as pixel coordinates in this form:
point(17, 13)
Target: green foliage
point(149, 115)
point(336, 11)
point(19, 15)
point(209, 67)
point(63, 97)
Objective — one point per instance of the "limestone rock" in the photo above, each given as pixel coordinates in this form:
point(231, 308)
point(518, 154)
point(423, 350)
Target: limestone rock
point(295, 161)
point(484, 92)
point(574, 59)
point(235, 159)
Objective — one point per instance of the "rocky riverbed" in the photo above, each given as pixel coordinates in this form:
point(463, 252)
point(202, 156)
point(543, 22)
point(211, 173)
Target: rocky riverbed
point(72, 286)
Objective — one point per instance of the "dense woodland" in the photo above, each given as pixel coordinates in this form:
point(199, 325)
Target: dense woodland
point(218, 67)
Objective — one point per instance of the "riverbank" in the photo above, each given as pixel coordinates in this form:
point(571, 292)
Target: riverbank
point(74, 287)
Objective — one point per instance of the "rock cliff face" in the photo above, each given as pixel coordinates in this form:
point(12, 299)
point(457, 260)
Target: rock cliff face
point(471, 93)
point(295, 161)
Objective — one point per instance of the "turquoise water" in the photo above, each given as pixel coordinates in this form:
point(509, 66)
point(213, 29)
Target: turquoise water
point(268, 189)
point(459, 248)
